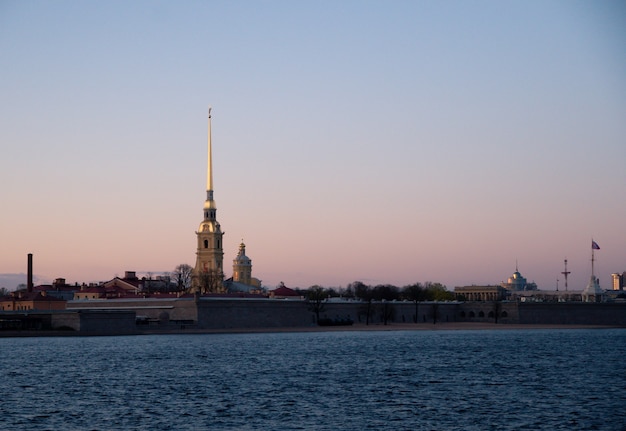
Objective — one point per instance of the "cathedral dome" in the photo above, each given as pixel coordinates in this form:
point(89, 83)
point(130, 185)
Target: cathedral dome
point(241, 258)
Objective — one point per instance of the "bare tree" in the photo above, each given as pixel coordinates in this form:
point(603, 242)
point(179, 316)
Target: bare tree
point(364, 293)
point(166, 277)
point(182, 277)
point(497, 308)
point(415, 293)
point(435, 311)
point(211, 281)
point(385, 293)
point(316, 298)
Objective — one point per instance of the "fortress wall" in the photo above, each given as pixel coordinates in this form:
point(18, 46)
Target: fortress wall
point(107, 322)
point(405, 312)
point(235, 313)
point(402, 312)
point(508, 312)
point(65, 320)
point(250, 313)
point(184, 309)
point(212, 313)
point(166, 309)
point(573, 313)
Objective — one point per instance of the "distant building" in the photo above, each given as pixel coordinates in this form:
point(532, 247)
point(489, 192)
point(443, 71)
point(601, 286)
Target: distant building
point(242, 269)
point(24, 300)
point(58, 289)
point(283, 292)
point(242, 266)
point(517, 283)
point(480, 293)
point(618, 280)
point(129, 283)
point(102, 292)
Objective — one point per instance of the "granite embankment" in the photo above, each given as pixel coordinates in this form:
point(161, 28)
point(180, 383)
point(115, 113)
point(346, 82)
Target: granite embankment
point(263, 315)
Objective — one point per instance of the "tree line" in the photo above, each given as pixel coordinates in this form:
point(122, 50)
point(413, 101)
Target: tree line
point(381, 295)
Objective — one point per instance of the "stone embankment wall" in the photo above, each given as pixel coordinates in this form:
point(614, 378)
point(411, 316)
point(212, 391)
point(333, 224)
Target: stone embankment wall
point(264, 313)
point(398, 312)
point(119, 317)
point(252, 313)
point(95, 321)
point(292, 313)
point(573, 313)
point(167, 309)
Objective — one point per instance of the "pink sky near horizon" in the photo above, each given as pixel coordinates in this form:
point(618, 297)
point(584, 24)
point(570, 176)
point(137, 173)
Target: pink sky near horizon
point(385, 143)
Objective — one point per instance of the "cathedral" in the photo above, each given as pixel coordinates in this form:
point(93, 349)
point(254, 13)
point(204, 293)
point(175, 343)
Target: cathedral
point(208, 274)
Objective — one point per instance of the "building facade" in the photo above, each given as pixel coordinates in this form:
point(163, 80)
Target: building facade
point(517, 283)
point(480, 293)
point(208, 274)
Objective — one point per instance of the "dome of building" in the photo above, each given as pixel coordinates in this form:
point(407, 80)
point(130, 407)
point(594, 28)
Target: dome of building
point(241, 256)
point(517, 282)
point(243, 259)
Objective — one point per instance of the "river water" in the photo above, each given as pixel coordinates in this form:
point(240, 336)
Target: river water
point(572, 379)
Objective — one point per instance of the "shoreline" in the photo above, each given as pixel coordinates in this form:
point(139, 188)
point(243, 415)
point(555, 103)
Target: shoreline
point(445, 326)
point(456, 326)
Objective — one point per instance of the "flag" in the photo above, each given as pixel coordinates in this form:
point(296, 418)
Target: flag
point(594, 245)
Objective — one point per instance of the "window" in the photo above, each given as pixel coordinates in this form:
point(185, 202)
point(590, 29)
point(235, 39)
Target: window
point(206, 243)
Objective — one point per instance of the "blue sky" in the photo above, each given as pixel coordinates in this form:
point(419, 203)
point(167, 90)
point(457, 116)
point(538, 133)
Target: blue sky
point(388, 142)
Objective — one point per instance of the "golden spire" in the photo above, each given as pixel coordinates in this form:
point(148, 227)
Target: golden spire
point(209, 179)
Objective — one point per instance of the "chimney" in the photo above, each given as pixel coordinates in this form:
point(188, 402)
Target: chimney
point(29, 281)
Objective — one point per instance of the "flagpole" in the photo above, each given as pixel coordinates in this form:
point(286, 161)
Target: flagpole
point(592, 258)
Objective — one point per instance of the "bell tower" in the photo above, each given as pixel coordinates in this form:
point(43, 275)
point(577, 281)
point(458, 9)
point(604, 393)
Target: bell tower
point(242, 266)
point(208, 274)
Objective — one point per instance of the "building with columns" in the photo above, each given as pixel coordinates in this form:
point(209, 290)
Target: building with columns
point(480, 293)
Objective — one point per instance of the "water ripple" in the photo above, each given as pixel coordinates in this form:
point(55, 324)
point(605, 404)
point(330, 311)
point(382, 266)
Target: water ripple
point(444, 380)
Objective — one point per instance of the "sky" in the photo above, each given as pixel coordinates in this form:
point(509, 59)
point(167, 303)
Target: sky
point(379, 141)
